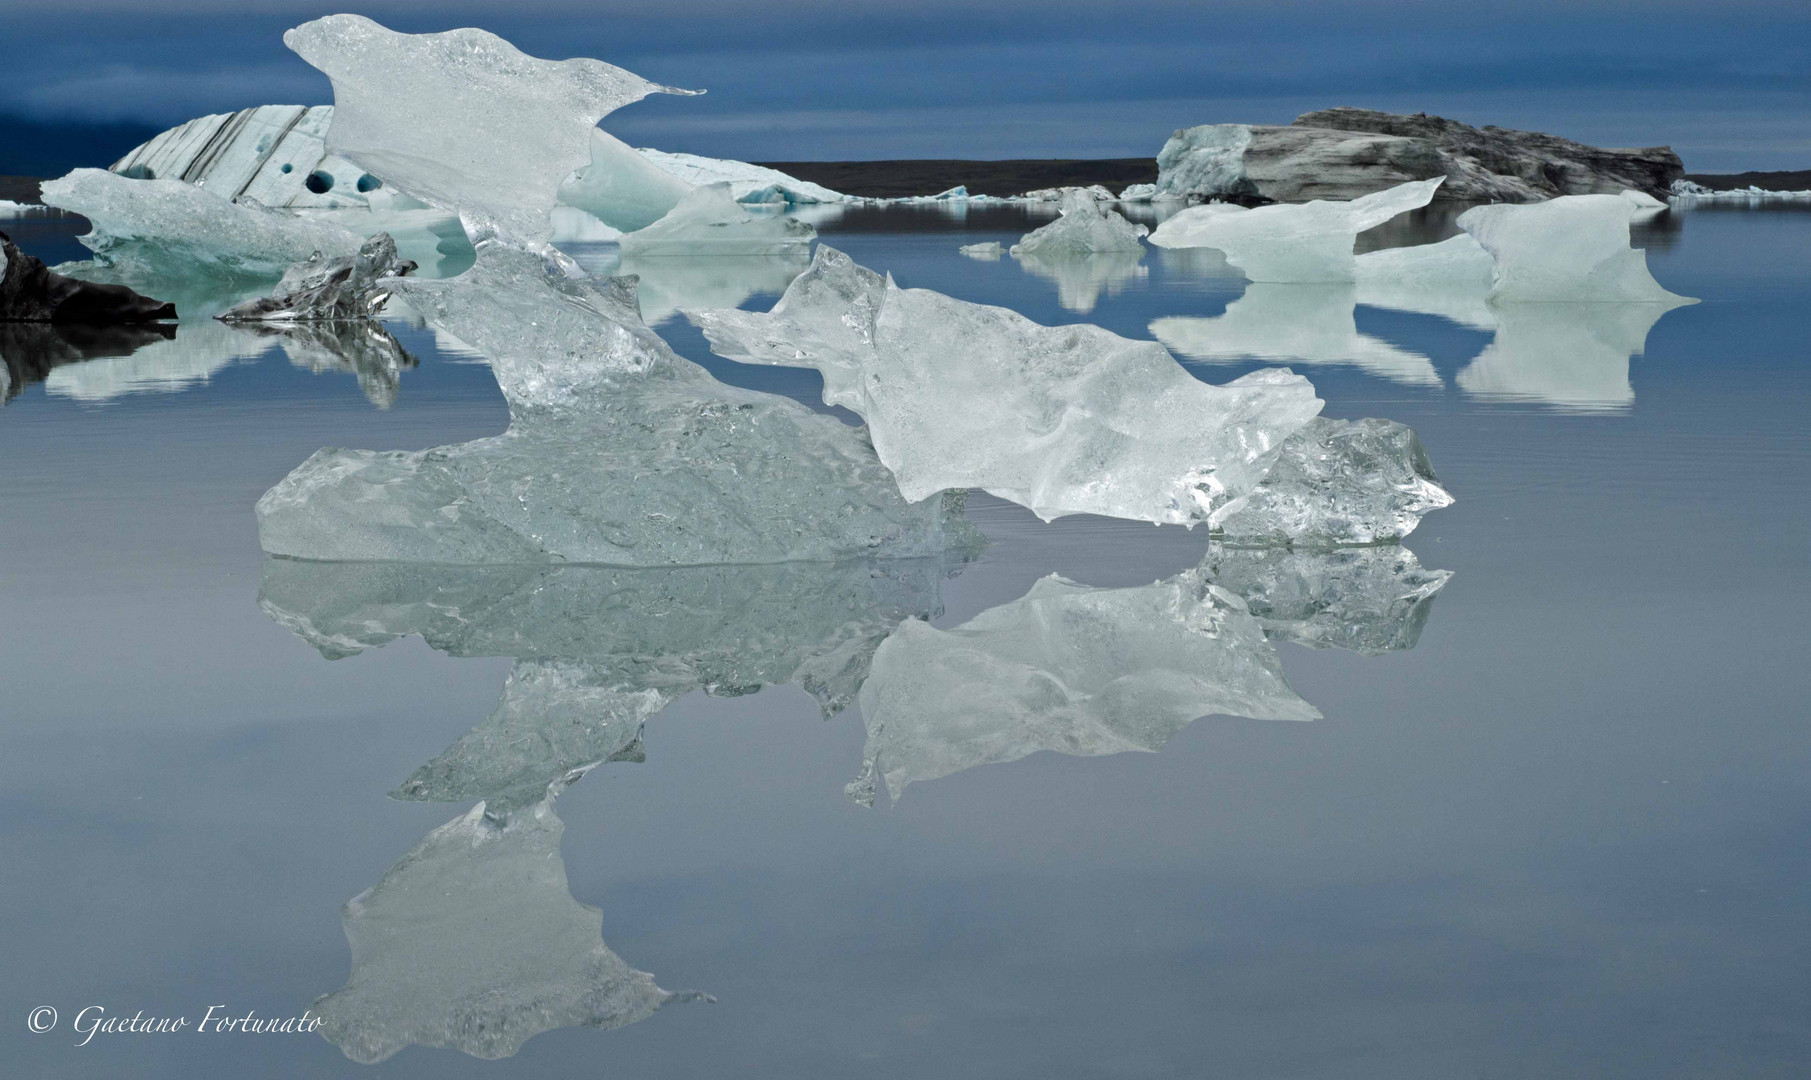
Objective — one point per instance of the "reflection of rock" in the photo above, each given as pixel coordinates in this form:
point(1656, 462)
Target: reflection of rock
point(1068, 668)
point(1304, 323)
point(361, 347)
point(1080, 279)
point(602, 649)
point(1574, 356)
point(473, 942)
point(31, 350)
point(32, 292)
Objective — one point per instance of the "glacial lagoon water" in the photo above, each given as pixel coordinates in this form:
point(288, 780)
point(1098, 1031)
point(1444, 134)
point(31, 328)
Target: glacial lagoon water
point(1549, 822)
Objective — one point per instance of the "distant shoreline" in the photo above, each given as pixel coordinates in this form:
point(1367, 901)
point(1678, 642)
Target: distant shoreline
point(915, 176)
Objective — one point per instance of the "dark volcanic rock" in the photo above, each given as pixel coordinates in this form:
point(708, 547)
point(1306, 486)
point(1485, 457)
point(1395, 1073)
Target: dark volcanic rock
point(1547, 164)
point(31, 292)
point(1344, 153)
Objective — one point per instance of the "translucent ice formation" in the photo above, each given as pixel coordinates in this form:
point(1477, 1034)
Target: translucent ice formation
point(463, 119)
point(1310, 324)
point(747, 183)
point(1292, 242)
point(1082, 229)
point(326, 289)
point(669, 282)
point(360, 347)
point(618, 452)
point(1340, 482)
point(1571, 249)
point(621, 187)
point(1073, 419)
point(473, 942)
point(708, 221)
point(989, 250)
point(157, 226)
point(1450, 279)
point(1069, 668)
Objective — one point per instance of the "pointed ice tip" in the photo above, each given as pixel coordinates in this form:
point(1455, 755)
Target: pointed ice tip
point(682, 93)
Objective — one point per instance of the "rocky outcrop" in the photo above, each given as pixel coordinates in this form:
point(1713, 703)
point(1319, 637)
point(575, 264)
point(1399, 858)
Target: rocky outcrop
point(1344, 153)
point(32, 292)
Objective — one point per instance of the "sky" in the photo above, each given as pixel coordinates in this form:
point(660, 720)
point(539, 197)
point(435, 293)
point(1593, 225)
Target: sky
point(1728, 85)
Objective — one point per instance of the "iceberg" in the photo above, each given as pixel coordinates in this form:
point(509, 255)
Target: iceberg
point(1080, 280)
point(1081, 229)
point(166, 227)
point(1138, 193)
point(463, 120)
point(1074, 419)
point(989, 250)
point(618, 452)
point(1450, 279)
point(708, 221)
point(322, 289)
point(1069, 668)
point(747, 183)
point(1571, 249)
point(621, 187)
point(1093, 193)
point(1310, 324)
point(473, 942)
point(1304, 242)
point(1063, 420)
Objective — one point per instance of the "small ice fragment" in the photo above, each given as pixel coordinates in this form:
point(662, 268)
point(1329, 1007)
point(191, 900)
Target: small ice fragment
point(1368, 600)
point(319, 288)
point(1082, 229)
point(990, 250)
point(1292, 242)
point(708, 221)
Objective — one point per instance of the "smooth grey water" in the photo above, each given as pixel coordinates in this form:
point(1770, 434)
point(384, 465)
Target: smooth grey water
point(1558, 830)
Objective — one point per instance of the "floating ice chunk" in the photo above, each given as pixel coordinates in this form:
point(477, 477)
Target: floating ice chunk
point(1138, 193)
point(323, 289)
point(1450, 279)
point(1571, 249)
point(463, 119)
point(747, 183)
point(1082, 229)
point(1695, 192)
point(708, 221)
point(1311, 324)
point(1068, 668)
point(11, 209)
point(990, 250)
point(1302, 242)
point(1571, 356)
point(1081, 279)
point(473, 942)
point(618, 452)
point(1093, 192)
point(621, 187)
point(1369, 600)
point(1641, 200)
point(1340, 482)
point(154, 226)
point(1064, 420)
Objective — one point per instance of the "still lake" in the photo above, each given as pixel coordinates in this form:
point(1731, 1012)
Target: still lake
point(1555, 827)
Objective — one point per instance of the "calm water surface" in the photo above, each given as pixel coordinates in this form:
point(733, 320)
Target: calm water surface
point(1556, 828)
